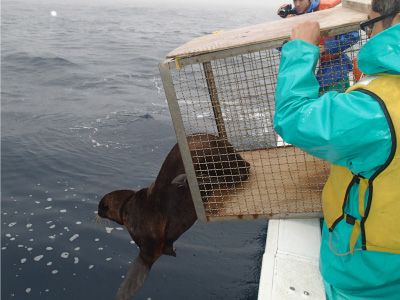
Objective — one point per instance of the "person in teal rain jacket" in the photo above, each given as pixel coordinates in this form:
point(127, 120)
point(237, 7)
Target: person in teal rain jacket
point(335, 65)
point(356, 132)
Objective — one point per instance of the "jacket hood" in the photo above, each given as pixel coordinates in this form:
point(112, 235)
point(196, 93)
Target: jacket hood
point(381, 53)
point(314, 5)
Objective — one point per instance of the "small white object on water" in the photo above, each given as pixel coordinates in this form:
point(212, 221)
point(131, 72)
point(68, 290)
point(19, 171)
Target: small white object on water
point(91, 267)
point(37, 258)
point(53, 13)
point(54, 271)
point(64, 255)
point(63, 211)
point(28, 290)
point(74, 237)
point(109, 229)
point(49, 248)
point(23, 260)
point(76, 260)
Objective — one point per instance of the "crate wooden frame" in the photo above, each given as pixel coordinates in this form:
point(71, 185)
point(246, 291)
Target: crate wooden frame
point(305, 185)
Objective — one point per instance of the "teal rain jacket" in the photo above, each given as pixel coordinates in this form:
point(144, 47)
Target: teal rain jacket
point(347, 129)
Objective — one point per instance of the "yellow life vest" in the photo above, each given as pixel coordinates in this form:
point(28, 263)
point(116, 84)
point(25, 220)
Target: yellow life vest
point(380, 212)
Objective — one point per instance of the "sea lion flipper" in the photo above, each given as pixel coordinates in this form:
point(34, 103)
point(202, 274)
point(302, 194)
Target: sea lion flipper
point(180, 180)
point(134, 279)
point(170, 250)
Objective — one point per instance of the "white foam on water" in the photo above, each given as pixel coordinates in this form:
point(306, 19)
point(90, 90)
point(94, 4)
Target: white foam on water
point(38, 258)
point(74, 237)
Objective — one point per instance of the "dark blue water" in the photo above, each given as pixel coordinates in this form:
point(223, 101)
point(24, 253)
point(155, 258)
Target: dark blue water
point(83, 112)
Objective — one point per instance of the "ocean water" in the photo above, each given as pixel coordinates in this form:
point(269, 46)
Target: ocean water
point(83, 112)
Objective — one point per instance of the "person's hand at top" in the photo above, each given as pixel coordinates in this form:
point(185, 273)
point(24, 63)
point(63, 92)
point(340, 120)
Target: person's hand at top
point(308, 31)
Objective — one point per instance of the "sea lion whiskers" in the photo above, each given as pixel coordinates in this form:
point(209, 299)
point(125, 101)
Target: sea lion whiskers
point(100, 222)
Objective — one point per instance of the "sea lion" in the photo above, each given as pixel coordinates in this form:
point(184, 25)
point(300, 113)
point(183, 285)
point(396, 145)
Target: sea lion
point(158, 215)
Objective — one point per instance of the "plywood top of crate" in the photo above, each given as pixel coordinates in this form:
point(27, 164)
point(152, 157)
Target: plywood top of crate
point(361, 5)
point(329, 19)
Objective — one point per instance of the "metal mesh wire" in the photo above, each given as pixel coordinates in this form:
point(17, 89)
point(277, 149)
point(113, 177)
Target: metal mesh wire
point(243, 168)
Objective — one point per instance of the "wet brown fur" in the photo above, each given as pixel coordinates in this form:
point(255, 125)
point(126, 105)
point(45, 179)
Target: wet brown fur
point(158, 215)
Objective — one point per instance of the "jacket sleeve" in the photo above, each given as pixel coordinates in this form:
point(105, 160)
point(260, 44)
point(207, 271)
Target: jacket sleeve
point(347, 129)
point(341, 42)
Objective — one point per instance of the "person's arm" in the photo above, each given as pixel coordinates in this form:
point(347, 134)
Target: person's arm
point(345, 129)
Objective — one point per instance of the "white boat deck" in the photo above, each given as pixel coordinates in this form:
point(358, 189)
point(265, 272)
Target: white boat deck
point(290, 262)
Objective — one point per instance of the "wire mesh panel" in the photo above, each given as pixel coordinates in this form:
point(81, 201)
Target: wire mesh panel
point(236, 164)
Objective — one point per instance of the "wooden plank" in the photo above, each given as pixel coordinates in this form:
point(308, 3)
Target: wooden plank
point(270, 31)
point(283, 182)
point(179, 127)
point(360, 5)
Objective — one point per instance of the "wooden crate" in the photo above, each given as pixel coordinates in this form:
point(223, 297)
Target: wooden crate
point(224, 84)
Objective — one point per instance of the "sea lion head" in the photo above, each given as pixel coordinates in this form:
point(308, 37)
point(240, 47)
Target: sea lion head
point(111, 206)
